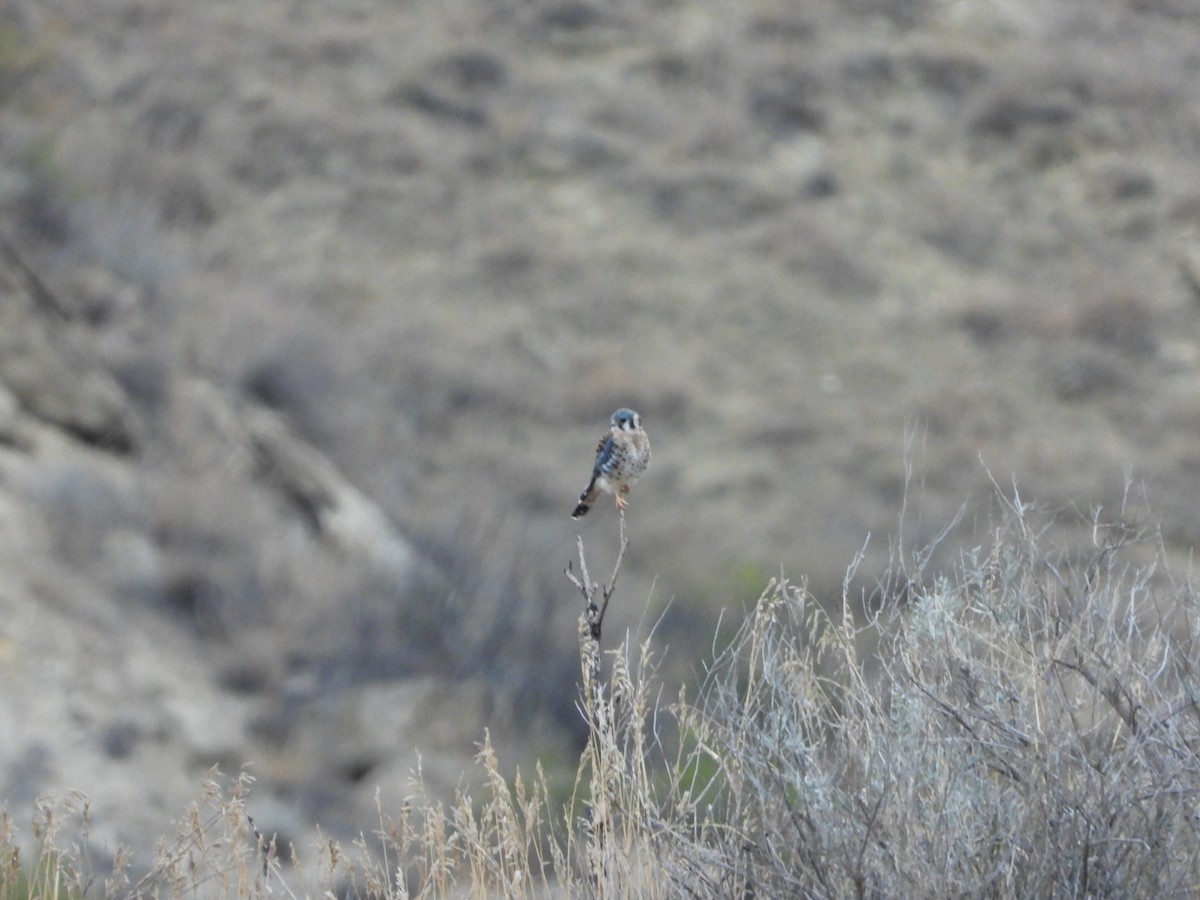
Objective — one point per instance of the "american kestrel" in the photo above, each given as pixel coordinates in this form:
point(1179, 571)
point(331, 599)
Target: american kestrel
point(621, 456)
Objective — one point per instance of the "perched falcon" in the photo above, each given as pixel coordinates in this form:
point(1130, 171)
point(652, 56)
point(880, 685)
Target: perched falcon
point(621, 457)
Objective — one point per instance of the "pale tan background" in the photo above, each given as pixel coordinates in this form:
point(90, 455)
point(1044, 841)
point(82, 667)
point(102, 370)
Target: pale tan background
point(352, 287)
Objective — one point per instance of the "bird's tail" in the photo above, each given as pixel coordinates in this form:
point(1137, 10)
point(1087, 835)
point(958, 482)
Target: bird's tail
point(586, 499)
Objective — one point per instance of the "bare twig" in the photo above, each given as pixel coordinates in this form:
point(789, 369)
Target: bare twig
point(591, 591)
point(599, 713)
point(41, 294)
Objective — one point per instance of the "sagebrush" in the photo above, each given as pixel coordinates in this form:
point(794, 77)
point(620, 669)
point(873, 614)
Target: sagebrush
point(1024, 725)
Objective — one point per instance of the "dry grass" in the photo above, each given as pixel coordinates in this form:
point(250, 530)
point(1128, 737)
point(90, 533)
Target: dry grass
point(1025, 725)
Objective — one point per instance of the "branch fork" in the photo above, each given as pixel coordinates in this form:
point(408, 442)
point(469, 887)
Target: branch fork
point(596, 595)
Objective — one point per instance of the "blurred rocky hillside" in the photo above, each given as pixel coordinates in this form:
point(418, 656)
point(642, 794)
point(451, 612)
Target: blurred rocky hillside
point(311, 314)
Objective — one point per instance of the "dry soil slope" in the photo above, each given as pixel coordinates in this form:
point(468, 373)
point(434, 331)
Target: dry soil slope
point(439, 243)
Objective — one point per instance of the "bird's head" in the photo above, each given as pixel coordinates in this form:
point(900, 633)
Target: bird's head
point(626, 420)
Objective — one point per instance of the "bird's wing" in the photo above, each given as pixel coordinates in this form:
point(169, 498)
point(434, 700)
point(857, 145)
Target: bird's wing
point(604, 451)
